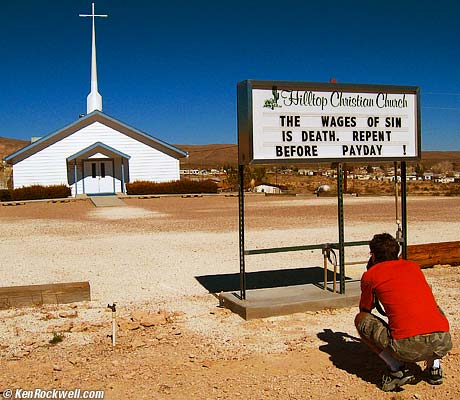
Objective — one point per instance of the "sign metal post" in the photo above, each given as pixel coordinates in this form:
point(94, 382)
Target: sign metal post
point(341, 227)
point(404, 209)
point(241, 231)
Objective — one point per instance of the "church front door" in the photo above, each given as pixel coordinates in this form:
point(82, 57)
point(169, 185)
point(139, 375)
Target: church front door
point(98, 176)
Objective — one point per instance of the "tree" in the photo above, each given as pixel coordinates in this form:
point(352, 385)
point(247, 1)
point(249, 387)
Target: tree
point(419, 169)
point(442, 167)
point(257, 173)
point(252, 176)
point(231, 176)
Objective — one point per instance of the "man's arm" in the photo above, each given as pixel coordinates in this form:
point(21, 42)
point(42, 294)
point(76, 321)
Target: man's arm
point(366, 303)
point(378, 306)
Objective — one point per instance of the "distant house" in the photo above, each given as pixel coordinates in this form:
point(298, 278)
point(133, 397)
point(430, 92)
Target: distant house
point(305, 172)
point(446, 179)
point(269, 188)
point(428, 176)
point(94, 155)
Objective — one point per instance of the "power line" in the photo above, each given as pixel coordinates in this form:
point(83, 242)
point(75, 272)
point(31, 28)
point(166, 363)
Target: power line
point(442, 93)
point(441, 108)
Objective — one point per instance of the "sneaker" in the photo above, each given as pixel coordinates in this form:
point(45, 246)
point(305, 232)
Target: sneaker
point(393, 380)
point(435, 376)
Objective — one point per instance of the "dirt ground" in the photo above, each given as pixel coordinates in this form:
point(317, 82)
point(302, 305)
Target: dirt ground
point(173, 339)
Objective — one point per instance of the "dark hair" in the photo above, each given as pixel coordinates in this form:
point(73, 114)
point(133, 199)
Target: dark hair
point(384, 247)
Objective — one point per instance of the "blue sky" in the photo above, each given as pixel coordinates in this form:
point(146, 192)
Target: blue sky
point(170, 68)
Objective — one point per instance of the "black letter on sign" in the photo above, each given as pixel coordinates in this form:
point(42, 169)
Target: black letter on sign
point(287, 136)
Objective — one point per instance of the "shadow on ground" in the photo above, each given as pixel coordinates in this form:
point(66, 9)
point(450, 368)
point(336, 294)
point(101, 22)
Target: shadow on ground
point(266, 279)
point(348, 353)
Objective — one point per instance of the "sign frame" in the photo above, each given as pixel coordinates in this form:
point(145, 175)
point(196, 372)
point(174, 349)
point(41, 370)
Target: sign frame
point(246, 118)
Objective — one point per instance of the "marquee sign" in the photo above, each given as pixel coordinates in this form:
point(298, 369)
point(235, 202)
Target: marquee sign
point(295, 122)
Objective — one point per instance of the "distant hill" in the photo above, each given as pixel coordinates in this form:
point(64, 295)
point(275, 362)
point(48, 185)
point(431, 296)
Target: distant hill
point(430, 158)
point(219, 155)
point(209, 155)
point(8, 146)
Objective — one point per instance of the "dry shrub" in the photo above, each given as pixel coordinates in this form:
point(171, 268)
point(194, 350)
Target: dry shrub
point(37, 192)
point(5, 195)
point(175, 187)
point(454, 189)
point(388, 189)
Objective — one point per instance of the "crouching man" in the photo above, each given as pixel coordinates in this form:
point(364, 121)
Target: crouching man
point(417, 329)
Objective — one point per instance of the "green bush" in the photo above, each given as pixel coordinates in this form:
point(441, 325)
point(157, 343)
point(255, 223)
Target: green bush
point(175, 187)
point(36, 192)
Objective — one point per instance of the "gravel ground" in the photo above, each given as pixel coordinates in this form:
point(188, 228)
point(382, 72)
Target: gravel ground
point(146, 257)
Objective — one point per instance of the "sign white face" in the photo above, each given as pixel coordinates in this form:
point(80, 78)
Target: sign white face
point(314, 125)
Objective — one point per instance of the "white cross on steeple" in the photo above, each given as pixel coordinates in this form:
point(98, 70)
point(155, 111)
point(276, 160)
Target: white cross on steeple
point(94, 99)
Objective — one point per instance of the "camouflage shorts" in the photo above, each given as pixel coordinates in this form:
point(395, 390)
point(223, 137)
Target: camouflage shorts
point(411, 349)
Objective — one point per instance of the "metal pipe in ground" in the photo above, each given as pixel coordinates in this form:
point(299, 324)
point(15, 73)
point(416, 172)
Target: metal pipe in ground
point(114, 322)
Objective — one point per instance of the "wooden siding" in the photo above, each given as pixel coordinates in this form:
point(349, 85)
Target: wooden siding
point(49, 166)
point(429, 254)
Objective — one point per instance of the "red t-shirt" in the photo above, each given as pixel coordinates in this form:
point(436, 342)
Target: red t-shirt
point(406, 297)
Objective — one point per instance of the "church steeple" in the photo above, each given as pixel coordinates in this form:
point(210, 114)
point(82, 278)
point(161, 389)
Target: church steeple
point(94, 99)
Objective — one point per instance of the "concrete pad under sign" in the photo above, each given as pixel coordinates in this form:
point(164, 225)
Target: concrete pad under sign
point(270, 302)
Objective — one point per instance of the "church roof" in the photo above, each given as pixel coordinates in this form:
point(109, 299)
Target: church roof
point(95, 116)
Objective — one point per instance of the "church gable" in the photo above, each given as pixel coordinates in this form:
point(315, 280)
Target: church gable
point(98, 150)
point(93, 121)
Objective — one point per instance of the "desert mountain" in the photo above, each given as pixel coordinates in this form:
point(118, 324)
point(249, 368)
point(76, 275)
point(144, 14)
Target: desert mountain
point(219, 155)
point(8, 146)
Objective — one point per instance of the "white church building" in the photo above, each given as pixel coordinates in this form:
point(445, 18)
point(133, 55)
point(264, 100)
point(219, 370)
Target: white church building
point(97, 154)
